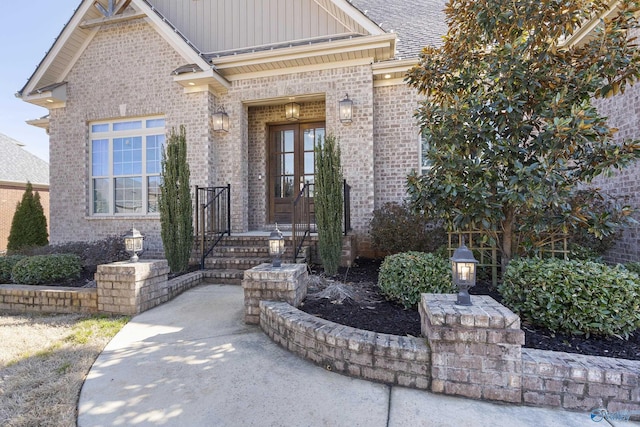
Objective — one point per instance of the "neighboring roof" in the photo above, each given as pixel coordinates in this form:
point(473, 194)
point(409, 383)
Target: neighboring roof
point(417, 23)
point(20, 166)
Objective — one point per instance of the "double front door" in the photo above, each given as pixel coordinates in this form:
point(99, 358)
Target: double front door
point(291, 165)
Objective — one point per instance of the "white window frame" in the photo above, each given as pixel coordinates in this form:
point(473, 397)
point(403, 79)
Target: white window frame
point(103, 130)
point(424, 169)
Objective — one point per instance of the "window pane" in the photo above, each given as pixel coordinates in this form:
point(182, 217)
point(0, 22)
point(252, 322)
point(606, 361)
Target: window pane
point(308, 163)
point(155, 123)
point(425, 164)
point(127, 156)
point(153, 192)
point(320, 136)
point(118, 126)
point(287, 137)
point(309, 139)
point(128, 195)
point(154, 153)
point(101, 196)
point(100, 157)
point(100, 128)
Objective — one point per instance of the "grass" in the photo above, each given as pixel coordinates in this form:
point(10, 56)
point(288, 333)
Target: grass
point(44, 360)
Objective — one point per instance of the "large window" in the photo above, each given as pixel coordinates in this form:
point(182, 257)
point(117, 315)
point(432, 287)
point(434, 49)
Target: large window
point(126, 161)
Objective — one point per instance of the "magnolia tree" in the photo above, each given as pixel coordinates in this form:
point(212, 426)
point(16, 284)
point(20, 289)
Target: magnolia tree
point(509, 118)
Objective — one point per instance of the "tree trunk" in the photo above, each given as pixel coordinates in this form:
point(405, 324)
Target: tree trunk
point(507, 237)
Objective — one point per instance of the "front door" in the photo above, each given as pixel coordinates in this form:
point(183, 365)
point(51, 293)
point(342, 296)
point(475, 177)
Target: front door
point(291, 165)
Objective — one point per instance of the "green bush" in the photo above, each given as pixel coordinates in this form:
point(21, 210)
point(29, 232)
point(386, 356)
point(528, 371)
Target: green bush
point(633, 267)
point(403, 277)
point(29, 224)
point(6, 265)
point(42, 269)
point(573, 297)
point(394, 228)
point(91, 254)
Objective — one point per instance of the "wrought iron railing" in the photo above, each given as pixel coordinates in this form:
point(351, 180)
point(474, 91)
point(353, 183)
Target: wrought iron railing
point(303, 221)
point(213, 218)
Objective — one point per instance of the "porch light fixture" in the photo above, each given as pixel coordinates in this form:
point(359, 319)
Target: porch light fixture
point(221, 120)
point(276, 247)
point(133, 243)
point(292, 111)
point(463, 266)
point(346, 109)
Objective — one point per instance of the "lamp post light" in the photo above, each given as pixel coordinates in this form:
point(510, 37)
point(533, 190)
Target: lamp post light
point(133, 243)
point(463, 266)
point(276, 247)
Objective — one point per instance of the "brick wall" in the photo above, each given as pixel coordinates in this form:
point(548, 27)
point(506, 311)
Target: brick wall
point(10, 196)
point(396, 148)
point(130, 65)
point(43, 299)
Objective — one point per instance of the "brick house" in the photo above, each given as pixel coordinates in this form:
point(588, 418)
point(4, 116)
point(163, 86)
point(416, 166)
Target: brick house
point(122, 74)
point(17, 168)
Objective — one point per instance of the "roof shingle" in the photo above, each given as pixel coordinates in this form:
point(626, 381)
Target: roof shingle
point(20, 166)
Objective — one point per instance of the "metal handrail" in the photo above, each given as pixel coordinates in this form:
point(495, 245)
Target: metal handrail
point(213, 217)
point(301, 219)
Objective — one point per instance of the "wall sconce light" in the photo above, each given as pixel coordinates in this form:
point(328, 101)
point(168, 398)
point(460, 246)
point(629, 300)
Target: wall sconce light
point(292, 111)
point(463, 265)
point(221, 120)
point(133, 243)
point(346, 109)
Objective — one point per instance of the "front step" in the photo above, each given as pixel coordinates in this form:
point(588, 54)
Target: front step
point(235, 254)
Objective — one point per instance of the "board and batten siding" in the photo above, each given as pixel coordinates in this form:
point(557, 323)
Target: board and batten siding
point(222, 25)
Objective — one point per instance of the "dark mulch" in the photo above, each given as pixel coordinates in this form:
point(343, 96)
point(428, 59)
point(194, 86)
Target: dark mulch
point(370, 311)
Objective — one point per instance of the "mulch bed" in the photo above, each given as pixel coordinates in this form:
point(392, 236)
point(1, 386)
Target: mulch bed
point(367, 309)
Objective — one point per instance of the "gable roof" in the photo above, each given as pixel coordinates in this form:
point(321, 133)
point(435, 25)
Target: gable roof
point(19, 166)
point(221, 39)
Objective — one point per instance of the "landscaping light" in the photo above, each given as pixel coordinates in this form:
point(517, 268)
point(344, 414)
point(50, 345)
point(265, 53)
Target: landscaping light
point(346, 110)
point(276, 247)
point(133, 243)
point(221, 120)
point(463, 266)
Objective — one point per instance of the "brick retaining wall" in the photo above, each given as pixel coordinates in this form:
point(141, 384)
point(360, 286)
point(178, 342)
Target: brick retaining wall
point(372, 356)
point(150, 293)
point(552, 379)
point(46, 299)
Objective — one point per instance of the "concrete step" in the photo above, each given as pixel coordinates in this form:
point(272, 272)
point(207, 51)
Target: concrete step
point(241, 251)
point(224, 277)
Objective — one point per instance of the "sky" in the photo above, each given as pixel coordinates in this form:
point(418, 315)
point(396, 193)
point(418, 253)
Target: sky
point(28, 29)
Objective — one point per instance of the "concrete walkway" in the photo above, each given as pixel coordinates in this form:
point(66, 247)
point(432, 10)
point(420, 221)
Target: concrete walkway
point(193, 362)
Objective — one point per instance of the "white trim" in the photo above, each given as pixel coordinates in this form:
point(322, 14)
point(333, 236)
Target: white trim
point(355, 14)
point(79, 53)
point(60, 42)
point(389, 82)
point(300, 69)
point(305, 51)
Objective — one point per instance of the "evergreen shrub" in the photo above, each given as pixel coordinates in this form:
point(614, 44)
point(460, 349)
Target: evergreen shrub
point(573, 297)
point(43, 269)
point(404, 276)
point(6, 266)
point(395, 228)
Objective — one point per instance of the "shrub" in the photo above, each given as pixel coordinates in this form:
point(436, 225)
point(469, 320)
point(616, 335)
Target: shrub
point(329, 206)
point(6, 265)
point(29, 224)
point(573, 297)
point(42, 269)
point(176, 210)
point(403, 277)
point(91, 254)
point(394, 228)
point(633, 267)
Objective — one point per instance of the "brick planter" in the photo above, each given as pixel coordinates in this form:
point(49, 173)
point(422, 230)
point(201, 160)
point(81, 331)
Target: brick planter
point(476, 350)
point(266, 283)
